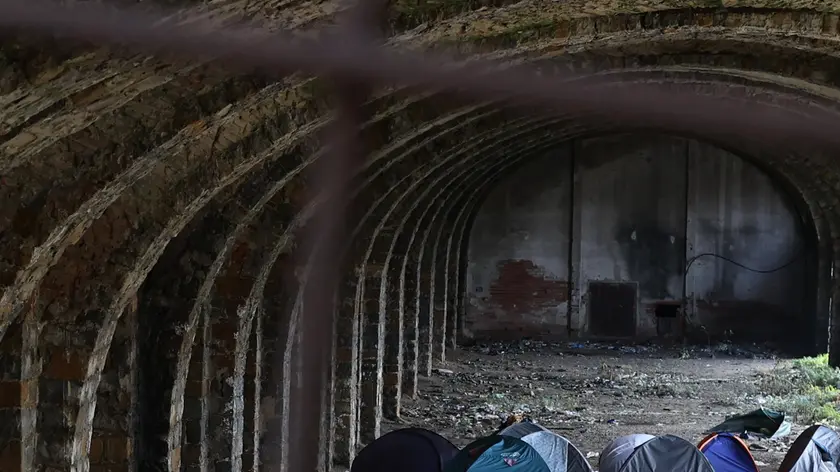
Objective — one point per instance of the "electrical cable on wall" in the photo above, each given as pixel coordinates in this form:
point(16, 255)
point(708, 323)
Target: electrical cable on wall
point(690, 262)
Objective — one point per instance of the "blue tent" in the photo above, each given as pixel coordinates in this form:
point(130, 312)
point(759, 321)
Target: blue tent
point(727, 453)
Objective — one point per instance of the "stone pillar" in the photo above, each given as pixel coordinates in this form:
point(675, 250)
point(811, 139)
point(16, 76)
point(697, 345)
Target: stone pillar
point(452, 284)
point(373, 335)
point(21, 367)
point(251, 385)
point(29, 380)
point(425, 323)
point(438, 295)
point(219, 438)
point(194, 452)
point(328, 429)
point(834, 339)
point(409, 307)
point(346, 375)
point(822, 304)
point(65, 360)
point(112, 439)
point(456, 264)
point(463, 261)
point(394, 341)
point(274, 326)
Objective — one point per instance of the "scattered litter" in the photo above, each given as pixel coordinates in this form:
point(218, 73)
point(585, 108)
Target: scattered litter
point(594, 390)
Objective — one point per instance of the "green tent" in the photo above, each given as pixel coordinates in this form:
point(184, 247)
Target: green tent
point(761, 422)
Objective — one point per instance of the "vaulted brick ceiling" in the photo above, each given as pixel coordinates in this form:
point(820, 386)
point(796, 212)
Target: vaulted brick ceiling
point(151, 212)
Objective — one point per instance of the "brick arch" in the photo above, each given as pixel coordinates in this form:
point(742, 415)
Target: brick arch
point(126, 210)
point(209, 132)
point(253, 101)
point(202, 128)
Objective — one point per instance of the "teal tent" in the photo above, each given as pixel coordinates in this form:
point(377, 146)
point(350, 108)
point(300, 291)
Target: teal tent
point(522, 447)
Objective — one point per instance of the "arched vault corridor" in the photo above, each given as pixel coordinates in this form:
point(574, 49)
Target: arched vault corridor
point(640, 237)
point(152, 217)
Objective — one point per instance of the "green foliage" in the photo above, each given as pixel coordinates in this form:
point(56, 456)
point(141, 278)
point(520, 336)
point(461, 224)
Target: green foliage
point(816, 371)
point(806, 389)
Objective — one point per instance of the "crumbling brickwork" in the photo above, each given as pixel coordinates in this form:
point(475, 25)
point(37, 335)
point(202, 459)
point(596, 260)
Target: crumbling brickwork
point(151, 216)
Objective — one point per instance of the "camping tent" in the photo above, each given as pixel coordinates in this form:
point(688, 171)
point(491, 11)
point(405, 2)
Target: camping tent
point(727, 453)
point(521, 447)
point(405, 450)
point(644, 453)
point(817, 449)
point(762, 422)
point(617, 452)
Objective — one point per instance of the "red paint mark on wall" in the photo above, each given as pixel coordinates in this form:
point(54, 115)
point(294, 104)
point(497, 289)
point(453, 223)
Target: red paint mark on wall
point(523, 287)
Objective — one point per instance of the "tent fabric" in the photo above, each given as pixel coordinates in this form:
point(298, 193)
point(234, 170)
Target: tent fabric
point(811, 459)
point(829, 441)
point(762, 422)
point(728, 453)
point(551, 447)
point(498, 453)
point(667, 454)
point(617, 452)
point(406, 450)
point(817, 449)
point(522, 429)
point(556, 453)
point(467, 456)
point(644, 453)
point(510, 454)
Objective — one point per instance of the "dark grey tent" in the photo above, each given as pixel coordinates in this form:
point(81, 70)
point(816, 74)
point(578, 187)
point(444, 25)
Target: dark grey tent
point(653, 454)
point(405, 450)
point(617, 452)
point(817, 449)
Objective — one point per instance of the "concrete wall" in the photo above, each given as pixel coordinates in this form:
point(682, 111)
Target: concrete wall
point(519, 252)
point(632, 219)
point(641, 206)
point(736, 213)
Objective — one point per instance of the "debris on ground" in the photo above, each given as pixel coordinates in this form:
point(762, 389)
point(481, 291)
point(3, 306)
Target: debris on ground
point(593, 392)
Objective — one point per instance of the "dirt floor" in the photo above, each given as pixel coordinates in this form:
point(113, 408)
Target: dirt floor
point(593, 393)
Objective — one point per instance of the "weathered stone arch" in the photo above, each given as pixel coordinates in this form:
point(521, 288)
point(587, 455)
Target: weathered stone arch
point(110, 160)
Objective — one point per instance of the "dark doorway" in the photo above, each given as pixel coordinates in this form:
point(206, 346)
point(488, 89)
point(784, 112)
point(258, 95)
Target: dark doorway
point(612, 309)
point(667, 318)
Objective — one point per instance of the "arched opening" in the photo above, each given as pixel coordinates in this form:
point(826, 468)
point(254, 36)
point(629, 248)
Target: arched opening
point(640, 237)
